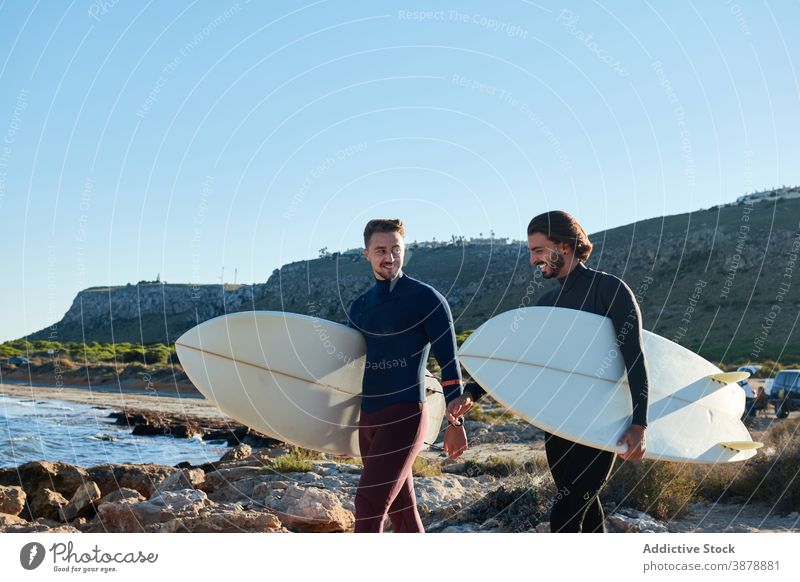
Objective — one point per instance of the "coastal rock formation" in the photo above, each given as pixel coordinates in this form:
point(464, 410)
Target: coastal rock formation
point(12, 500)
point(82, 502)
point(182, 479)
point(141, 477)
point(310, 509)
point(45, 484)
point(47, 503)
point(230, 520)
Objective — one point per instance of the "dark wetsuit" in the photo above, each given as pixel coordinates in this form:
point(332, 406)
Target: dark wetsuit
point(401, 322)
point(580, 471)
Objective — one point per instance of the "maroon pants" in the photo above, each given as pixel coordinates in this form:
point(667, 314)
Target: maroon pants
point(390, 440)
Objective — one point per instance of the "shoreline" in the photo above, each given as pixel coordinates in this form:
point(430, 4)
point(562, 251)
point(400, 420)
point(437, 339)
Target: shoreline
point(158, 402)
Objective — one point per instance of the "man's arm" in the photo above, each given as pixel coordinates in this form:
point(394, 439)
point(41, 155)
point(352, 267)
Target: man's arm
point(624, 313)
point(438, 325)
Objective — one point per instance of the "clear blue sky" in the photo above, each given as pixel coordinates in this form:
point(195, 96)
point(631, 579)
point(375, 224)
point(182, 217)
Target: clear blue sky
point(180, 138)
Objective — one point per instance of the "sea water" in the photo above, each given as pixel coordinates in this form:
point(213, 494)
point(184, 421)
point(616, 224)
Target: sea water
point(83, 434)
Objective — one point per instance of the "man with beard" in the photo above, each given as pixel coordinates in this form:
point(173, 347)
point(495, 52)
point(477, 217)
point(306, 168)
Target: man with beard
point(559, 247)
point(401, 320)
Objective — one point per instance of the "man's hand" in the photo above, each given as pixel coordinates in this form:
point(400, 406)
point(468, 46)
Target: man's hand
point(635, 441)
point(459, 407)
point(455, 441)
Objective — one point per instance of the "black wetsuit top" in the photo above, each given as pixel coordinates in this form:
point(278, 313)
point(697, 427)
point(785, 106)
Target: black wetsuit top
point(598, 292)
point(401, 321)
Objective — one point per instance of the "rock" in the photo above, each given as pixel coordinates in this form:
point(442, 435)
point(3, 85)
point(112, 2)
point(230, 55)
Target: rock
point(225, 476)
point(237, 453)
point(12, 499)
point(120, 494)
point(82, 502)
point(177, 501)
point(36, 476)
point(270, 488)
point(131, 516)
point(632, 521)
point(461, 528)
point(38, 526)
point(231, 521)
point(141, 477)
point(543, 527)
point(7, 519)
point(183, 479)
point(147, 423)
point(121, 516)
point(47, 503)
point(310, 509)
point(242, 491)
point(445, 492)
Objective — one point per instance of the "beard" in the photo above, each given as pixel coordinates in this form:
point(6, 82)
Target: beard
point(387, 272)
point(554, 264)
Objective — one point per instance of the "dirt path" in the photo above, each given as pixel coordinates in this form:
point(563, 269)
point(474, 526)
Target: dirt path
point(738, 518)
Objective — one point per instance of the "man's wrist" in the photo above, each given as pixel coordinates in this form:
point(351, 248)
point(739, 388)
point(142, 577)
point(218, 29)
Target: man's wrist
point(459, 421)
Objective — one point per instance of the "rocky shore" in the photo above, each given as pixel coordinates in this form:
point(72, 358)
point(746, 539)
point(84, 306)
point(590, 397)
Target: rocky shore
point(246, 490)
point(501, 484)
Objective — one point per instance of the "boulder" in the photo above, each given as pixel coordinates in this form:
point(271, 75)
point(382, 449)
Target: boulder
point(120, 494)
point(225, 521)
point(237, 453)
point(12, 499)
point(182, 479)
point(7, 519)
point(445, 492)
point(82, 502)
point(242, 491)
point(310, 509)
point(632, 521)
point(141, 477)
point(130, 515)
point(47, 503)
point(37, 476)
point(40, 525)
point(223, 477)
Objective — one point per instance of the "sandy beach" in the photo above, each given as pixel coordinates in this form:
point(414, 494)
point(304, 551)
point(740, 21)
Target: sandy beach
point(157, 403)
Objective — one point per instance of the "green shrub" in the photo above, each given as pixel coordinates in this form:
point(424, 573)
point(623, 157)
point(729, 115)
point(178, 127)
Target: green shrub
point(497, 466)
point(424, 467)
point(773, 475)
point(519, 504)
point(296, 460)
point(661, 489)
point(479, 413)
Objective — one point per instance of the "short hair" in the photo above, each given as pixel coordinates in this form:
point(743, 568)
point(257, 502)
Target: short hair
point(561, 227)
point(383, 225)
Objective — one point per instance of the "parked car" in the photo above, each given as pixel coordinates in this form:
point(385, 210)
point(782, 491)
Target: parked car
point(18, 360)
point(785, 392)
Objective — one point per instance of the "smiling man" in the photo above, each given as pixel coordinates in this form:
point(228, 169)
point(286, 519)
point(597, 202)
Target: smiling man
point(559, 247)
point(401, 320)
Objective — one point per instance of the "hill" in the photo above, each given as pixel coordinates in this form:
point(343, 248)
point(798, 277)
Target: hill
point(719, 281)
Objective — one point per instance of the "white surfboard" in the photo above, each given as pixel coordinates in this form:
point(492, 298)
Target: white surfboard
point(292, 377)
point(561, 370)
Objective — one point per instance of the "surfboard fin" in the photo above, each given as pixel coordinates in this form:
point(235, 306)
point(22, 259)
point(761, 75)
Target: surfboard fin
point(729, 377)
point(740, 446)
